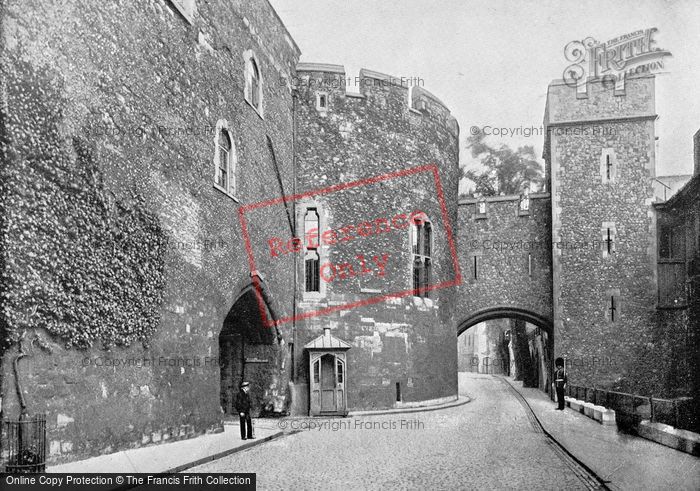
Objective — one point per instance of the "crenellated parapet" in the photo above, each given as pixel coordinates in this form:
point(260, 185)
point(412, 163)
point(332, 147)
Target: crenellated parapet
point(375, 88)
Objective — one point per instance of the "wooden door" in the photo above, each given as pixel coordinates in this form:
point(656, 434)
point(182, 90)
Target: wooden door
point(327, 383)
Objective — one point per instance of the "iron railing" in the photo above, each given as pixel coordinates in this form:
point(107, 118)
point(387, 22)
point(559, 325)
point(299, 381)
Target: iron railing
point(24, 444)
point(630, 409)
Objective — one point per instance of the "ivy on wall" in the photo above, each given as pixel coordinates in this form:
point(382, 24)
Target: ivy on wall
point(87, 266)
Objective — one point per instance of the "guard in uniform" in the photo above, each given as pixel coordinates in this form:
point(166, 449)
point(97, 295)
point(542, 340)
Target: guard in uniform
point(560, 381)
point(243, 408)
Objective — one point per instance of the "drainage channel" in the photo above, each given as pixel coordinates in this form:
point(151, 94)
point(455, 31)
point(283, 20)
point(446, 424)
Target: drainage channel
point(581, 470)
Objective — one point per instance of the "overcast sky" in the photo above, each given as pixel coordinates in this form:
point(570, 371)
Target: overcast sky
point(491, 61)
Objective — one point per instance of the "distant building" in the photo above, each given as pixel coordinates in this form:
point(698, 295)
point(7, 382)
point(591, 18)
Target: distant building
point(667, 186)
point(483, 348)
point(678, 266)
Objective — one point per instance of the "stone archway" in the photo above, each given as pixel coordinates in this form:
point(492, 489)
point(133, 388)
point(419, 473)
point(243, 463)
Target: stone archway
point(530, 342)
point(500, 311)
point(251, 349)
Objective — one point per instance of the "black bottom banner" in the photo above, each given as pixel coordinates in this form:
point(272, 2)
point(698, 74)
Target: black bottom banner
point(123, 481)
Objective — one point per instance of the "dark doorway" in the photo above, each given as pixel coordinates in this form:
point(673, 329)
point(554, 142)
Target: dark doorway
point(248, 351)
point(232, 362)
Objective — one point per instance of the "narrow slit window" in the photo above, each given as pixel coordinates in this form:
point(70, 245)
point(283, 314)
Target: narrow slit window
point(224, 165)
point(255, 85)
point(608, 166)
point(613, 309)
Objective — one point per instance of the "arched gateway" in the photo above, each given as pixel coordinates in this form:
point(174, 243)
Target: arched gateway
point(250, 350)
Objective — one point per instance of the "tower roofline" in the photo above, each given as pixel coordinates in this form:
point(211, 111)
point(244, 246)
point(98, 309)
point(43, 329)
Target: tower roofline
point(284, 26)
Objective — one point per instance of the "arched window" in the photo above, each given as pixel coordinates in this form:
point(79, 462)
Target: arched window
point(224, 159)
point(421, 247)
point(253, 82)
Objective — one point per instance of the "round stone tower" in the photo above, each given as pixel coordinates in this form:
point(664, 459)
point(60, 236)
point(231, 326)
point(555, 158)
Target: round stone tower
point(376, 204)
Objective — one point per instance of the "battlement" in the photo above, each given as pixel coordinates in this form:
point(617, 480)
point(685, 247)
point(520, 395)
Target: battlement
point(601, 101)
point(374, 88)
point(501, 198)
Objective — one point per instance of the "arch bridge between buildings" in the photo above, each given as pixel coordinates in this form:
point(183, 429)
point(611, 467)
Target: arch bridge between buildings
point(505, 253)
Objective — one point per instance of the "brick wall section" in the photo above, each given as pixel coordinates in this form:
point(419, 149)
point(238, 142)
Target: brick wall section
point(501, 240)
point(139, 66)
point(405, 340)
point(584, 280)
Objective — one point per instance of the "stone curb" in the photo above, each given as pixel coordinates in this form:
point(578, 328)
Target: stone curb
point(682, 440)
point(226, 453)
point(601, 414)
point(460, 401)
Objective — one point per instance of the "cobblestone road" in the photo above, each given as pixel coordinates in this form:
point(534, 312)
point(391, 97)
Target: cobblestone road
point(487, 443)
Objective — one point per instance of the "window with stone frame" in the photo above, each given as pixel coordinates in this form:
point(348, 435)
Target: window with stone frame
point(608, 165)
point(253, 82)
point(225, 169)
point(608, 233)
point(311, 255)
point(421, 249)
point(322, 101)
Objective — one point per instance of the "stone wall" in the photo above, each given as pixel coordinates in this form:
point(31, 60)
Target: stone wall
point(513, 254)
point(613, 348)
point(136, 90)
point(405, 339)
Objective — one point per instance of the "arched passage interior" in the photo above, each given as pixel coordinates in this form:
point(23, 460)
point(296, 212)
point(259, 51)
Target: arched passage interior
point(520, 348)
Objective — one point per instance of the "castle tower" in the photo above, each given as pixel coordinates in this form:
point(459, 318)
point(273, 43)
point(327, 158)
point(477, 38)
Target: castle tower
point(377, 172)
point(600, 149)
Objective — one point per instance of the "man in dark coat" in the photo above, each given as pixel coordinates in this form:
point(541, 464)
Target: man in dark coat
point(560, 381)
point(243, 408)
